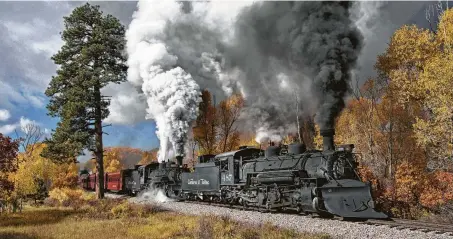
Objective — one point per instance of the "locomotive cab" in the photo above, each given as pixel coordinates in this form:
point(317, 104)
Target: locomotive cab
point(140, 177)
point(230, 164)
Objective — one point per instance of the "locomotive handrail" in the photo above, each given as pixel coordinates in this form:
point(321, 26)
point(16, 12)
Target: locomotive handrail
point(353, 169)
point(329, 176)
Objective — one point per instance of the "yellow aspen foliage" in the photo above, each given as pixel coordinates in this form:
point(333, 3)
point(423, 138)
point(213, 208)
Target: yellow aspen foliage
point(118, 158)
point(435, 130)
point(113, 166)
point(148, 157)
point(66, 175)
point(404, 59)
point(35, 172)
point(248, 139)
point(445, 28)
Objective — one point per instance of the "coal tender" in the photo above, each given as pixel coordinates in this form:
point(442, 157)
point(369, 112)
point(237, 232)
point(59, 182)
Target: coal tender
point(321, 182)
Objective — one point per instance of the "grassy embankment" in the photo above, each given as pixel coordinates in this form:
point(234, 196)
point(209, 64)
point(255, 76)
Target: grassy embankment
point(79, 216)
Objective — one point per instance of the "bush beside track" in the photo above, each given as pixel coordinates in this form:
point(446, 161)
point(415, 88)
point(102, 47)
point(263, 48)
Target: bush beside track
point(76, 214)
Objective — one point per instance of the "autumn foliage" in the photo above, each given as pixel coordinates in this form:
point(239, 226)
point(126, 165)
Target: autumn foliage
point(216, 128)
point(118, 158)
point(402, 122)
point(8, 162)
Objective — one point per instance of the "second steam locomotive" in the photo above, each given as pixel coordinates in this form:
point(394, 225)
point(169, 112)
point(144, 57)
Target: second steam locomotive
point(322, 182)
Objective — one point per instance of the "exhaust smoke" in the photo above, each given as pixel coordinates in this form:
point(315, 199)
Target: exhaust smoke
point(279, 55)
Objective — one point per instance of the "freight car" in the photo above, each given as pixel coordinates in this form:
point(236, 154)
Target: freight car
point(119, 182)
point(155, 175)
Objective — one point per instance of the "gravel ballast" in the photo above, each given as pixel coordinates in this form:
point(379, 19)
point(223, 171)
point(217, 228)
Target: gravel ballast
point(335, 228)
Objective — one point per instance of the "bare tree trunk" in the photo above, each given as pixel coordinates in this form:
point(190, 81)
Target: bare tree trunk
point(225, 141)
point(99, 152)
point(390, 145)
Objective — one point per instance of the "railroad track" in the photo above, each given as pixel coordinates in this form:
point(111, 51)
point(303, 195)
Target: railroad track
point(413, 225)
point(396, 223)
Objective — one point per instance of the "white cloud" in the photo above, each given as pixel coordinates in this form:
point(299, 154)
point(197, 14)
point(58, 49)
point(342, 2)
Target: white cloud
point(127, 106)
point(24, 122)
point(7, 129)
point(30, 37)
point(4, 115)
point(84, 158)
point(21, 125)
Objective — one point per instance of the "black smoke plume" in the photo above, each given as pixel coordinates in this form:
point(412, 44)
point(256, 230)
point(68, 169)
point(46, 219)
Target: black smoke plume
point(314, 44)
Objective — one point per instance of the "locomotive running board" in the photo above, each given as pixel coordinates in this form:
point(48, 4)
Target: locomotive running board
point(349, 199)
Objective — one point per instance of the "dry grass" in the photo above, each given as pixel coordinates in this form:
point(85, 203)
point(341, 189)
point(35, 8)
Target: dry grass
point(111, 219)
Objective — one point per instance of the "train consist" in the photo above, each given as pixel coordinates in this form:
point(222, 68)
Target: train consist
point(284, 178)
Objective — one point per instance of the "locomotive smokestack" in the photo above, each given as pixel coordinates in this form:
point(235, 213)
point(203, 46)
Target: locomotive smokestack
point(327, 139)
point(179, 160)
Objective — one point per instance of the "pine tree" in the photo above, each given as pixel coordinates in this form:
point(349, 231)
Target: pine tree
point(91, 57)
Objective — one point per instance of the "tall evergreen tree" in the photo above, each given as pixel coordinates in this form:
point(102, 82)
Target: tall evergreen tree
point(91, 57)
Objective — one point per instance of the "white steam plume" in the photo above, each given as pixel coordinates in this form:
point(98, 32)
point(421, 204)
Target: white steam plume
point(272, 52)
point(172, 94)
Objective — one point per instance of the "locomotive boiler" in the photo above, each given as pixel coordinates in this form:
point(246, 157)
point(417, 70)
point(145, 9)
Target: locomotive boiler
point(323, 182)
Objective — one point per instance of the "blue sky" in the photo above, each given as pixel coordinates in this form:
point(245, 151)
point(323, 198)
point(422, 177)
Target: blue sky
point(30, 36)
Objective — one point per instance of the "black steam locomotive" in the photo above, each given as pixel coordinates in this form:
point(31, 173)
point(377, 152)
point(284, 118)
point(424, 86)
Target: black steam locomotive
point(323, 182)
point(292, 178)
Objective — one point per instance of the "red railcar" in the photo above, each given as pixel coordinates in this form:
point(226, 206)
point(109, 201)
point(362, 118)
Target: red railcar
point(92, 181)
point(84, 181)
point(114, 181)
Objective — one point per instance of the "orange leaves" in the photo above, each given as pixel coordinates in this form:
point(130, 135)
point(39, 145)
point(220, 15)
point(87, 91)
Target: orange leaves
point(66, 176)
point(409, 180)
point(117, 158)
point(438, 189)
point(205, 130)
point(215, 128)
